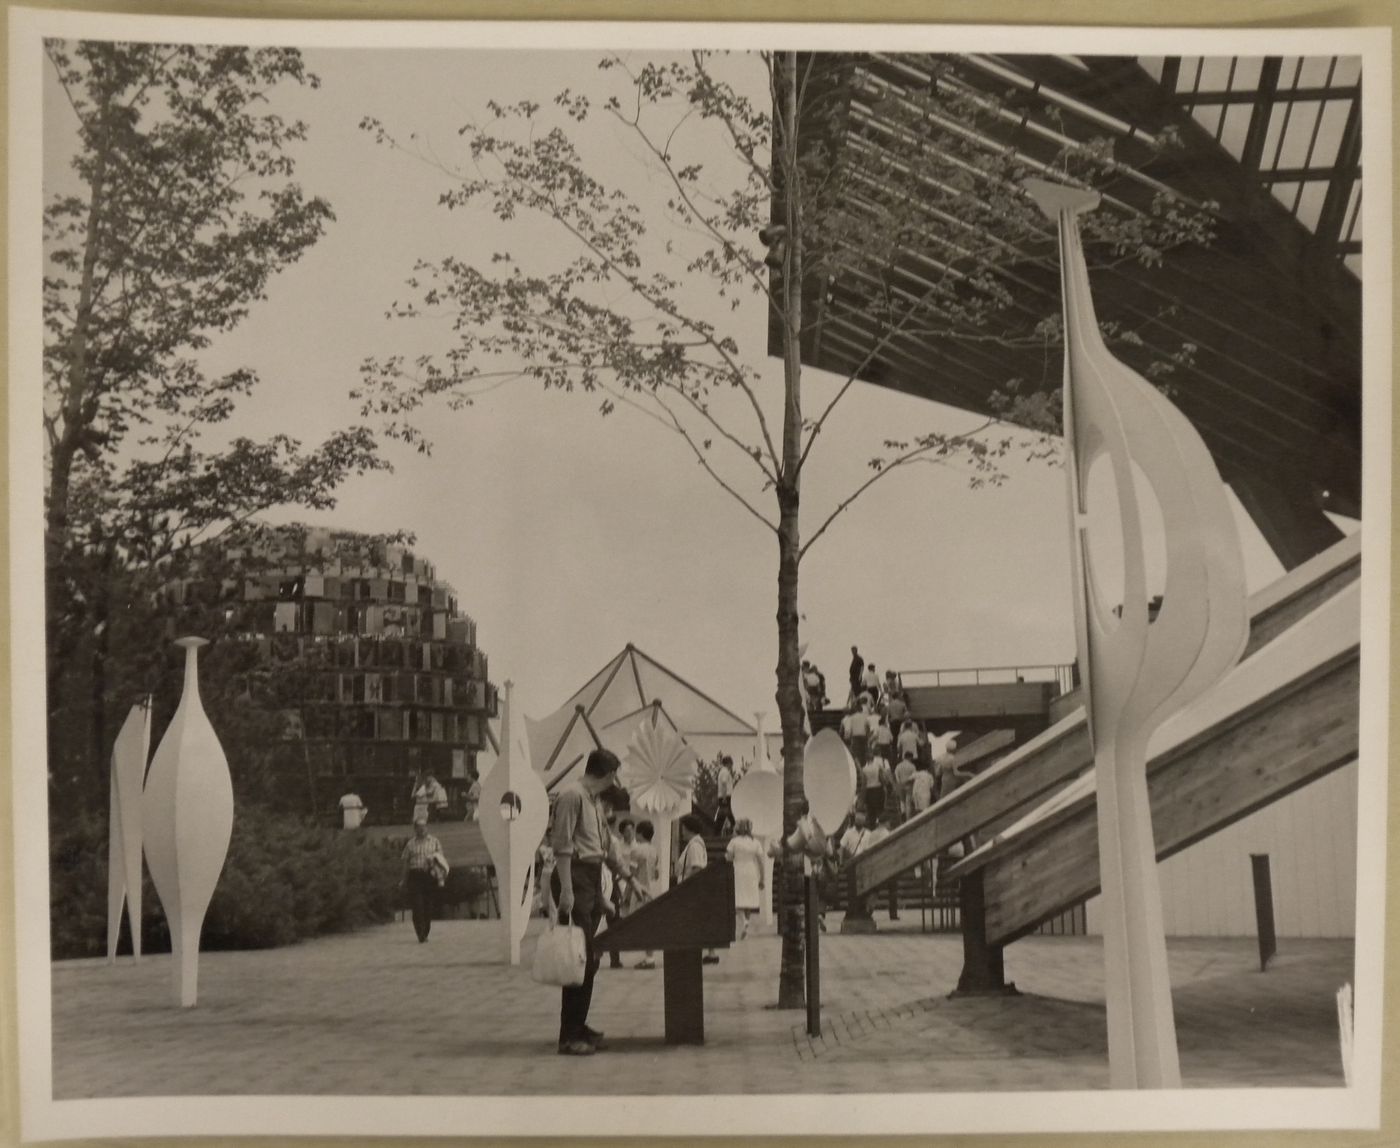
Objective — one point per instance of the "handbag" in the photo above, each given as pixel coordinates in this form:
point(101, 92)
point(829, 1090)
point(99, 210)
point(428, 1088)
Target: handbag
point(560, 956)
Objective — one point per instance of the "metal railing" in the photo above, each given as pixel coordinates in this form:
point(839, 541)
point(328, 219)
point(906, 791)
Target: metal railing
point(1061, 675)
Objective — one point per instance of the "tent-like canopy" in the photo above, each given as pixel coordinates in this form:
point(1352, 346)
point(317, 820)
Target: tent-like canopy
point(613, 703)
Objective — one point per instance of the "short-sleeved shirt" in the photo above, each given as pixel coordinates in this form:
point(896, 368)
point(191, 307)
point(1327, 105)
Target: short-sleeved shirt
point(724, 782)
point(922, 789)
point(695, 858)
point(904, 771)
point(580, 829)
point(424, 853)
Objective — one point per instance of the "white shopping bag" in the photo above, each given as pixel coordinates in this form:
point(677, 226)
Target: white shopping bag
point(560, 956)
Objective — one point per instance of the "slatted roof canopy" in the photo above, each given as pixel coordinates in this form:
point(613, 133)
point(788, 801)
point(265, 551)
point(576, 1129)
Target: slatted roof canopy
point(1263, 323)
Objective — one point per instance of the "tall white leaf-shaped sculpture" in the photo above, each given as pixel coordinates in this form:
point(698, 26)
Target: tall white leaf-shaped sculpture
point(129, 754)
point(513, 813)
point(1136, 671)
point(187, 818)
point(658, 772)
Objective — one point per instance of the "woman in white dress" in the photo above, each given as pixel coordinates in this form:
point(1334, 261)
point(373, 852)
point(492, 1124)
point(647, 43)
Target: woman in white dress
point(750, 866)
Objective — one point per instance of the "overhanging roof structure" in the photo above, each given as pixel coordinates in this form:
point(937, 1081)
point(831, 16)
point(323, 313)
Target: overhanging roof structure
point(1271, 307)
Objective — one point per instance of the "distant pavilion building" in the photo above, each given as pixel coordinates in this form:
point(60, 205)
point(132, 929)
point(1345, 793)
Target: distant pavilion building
point(374, 669)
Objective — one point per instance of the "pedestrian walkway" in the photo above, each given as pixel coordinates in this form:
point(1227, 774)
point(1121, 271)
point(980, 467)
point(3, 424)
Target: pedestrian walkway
point(375, 1013)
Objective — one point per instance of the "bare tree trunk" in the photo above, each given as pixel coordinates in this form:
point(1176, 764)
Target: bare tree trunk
point(791, 979)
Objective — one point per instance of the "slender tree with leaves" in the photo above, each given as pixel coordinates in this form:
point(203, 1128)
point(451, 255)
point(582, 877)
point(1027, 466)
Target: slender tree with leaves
point(178, 208)
point(771, 194)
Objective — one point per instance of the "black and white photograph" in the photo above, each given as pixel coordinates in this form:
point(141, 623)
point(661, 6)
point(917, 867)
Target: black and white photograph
point(654, 579)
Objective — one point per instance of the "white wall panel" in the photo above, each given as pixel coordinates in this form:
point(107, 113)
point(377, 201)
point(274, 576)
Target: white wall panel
point(1310, 837)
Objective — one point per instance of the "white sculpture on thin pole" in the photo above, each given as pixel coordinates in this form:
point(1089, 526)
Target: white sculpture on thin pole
point(658, 772)
point(129, 753)
point(187, 818)
point(513, 813)
point(1138, 671)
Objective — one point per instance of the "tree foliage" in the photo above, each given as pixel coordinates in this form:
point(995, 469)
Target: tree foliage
point(177, 210)
point(775, 198)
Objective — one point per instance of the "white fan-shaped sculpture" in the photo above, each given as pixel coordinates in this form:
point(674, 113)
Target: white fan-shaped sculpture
point(513, 812)
point(1138, 672)
point(129, 754)
point(187, 818)
point(659, 769)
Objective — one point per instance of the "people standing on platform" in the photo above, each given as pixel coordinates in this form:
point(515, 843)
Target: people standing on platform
point(437, 798)
point(904, 774)
point(896, 708)
point(724, 795)
point(814, 687)
point(875, 778)
point(853, 840)
point(907, 743)
point(421, 796)
point(883, 739)
point(582, 847)
point(694, 857)
point(921, 789)
point(857, 728)
point(870, 684)
point(646, 872)
point(750, 870)
point(353, 811)
point(857, 670)
point(425, 871)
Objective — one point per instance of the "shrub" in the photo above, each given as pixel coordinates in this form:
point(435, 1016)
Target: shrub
point(283, 881)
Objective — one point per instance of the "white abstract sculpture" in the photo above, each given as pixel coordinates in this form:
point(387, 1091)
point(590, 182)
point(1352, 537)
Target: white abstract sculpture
point(658, 772)
point(187, 818)
point(828, 778)
point(1137, 672)
point(129, 754)
point(513, 813)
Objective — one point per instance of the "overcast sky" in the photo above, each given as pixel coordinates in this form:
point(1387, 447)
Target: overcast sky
point(568, 535)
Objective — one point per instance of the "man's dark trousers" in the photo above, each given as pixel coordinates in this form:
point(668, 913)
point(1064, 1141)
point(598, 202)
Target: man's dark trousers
point(422, 890)
point(587, 880)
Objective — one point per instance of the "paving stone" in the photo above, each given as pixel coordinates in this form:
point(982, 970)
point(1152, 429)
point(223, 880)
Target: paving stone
point(375, 1013)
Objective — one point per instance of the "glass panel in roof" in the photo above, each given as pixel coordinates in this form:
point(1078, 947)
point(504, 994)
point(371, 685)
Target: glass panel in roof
point(1247, 70)
point(1277, 116)
point(1298, 136)
point(1310, 203)
point(1186, 73)
point(1329, 136)
point(1348, 72)
point(1235, 128)
point(1152, 65)
point(1215, 74)
point(1353, 264)
point(1288, 73)
point(1208, 117)
point(1315, 71)
point(1285, 193)
point(1351, 231)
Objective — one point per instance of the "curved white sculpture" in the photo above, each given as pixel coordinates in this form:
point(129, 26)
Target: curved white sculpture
point(759, 797)
point(1137, 672)
point(187, 817)
point(828, 778)
point(513, 813)
point(129, 754)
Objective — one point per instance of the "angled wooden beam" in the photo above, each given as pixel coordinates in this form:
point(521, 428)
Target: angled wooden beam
point(1298, 735)
point(1062, 752)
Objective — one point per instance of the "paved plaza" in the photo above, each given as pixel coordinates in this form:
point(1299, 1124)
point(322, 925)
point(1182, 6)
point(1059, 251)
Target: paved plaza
point(376, 1013)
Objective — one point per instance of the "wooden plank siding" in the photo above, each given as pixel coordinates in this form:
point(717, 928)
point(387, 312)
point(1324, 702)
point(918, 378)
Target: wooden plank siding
point(1297, 734)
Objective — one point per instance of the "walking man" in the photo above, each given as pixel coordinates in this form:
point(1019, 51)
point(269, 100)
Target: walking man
point(425, 870)
point(581, 843)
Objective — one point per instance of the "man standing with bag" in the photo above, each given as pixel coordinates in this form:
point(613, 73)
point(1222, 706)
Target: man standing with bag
point(580, 839)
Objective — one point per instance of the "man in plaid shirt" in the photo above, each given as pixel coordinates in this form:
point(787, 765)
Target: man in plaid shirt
point(425, 869)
